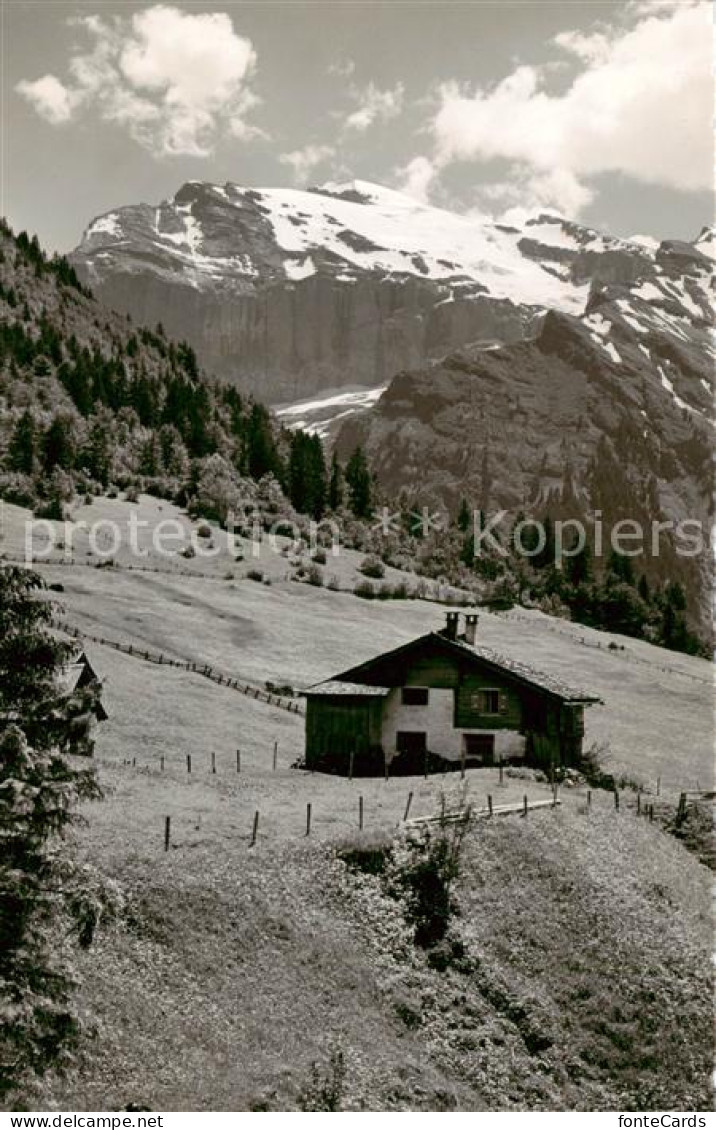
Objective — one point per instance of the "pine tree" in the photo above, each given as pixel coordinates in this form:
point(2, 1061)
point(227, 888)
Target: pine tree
point(335, 487)
point(579, 566)
point(360, 484)
point(57, 446)
point(23, 445)
point(43, 897)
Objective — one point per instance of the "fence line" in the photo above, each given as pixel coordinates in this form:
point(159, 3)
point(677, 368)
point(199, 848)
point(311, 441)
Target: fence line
point(203, 669)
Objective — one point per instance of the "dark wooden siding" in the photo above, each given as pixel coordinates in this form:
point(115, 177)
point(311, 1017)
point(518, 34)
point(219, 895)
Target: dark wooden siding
point(469, 710)
point(339, 727)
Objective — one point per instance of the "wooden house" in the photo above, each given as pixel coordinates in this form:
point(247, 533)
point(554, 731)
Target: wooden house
point(439, 701)
point(80, 675)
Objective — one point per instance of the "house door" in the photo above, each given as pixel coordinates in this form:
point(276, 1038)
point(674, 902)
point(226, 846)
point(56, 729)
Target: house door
point(480, 748)
point(413, 742)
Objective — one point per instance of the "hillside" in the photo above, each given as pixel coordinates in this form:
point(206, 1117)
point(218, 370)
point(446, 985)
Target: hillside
point(580, 925)
point(287, 293)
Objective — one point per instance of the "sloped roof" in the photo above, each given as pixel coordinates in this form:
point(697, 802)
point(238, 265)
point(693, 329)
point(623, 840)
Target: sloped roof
point(480, 656)
point(72, 672)
point(338, 687)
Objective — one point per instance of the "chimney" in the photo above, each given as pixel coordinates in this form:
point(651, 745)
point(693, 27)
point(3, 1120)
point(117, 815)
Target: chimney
point(450, 629)
point(470, 628)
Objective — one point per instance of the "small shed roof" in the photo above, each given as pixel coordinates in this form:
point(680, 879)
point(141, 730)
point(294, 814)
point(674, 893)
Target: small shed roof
point(337, 688)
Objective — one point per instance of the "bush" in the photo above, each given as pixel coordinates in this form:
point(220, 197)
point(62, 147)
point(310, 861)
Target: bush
point(203, 530)
point(365, 590)
point(324, 1090)
point(372, 566)
point(320, 557)
point(423, 874)
point(255, 575)
point(188, 551)
point(314, 576)
point(365, 851)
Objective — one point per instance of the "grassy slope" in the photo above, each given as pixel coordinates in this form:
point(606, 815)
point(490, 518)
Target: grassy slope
point(238, 967)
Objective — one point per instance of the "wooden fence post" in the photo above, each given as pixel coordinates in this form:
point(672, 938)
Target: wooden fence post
point(651, 813)
point(407, 807)
point(167, 831)
point(255, 830)
point(681, 810)
point(188, 763)
point(524, 810)
point(161, 763)
point(360, 813)
point(275, 755)
point(589, 798)
point(638, 802)
point(489, 804)
point(238, 761)
point(213, 762)
point(308, 819)
point(462, 763)
point(658, 786)
point(616, 797)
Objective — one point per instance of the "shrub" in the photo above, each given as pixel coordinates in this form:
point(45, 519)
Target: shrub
point(324, 1090)
point(423, 874)
point(320, 557)
point(314, 576)
point(255, 575)
point(188, 551)
point(365, 590)
point(365, 851)
point(372, 566)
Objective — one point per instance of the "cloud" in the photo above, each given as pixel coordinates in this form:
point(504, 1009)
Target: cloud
point(174, 80)
point(416, 178)
point(50, 98)
point(526, 192)
point(374, 105)
point(341, 68)
point(640, 105)
point(304, 161)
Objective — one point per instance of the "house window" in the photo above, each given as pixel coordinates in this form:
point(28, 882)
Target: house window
point(415, 696)
point(488, 701)
point(411, 741)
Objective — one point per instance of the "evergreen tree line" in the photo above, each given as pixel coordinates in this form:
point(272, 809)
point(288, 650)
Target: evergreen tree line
point(612, 597)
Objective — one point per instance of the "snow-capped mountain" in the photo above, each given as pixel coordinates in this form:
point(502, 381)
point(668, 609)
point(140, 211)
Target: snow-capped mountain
point(611, 411)
point(292, 292)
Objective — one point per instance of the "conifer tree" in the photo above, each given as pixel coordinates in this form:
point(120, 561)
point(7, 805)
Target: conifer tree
point(23, 445)
point(43, 897)
point(360, 484)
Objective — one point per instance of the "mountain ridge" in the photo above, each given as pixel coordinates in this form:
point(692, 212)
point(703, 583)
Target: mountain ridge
point(288, 292)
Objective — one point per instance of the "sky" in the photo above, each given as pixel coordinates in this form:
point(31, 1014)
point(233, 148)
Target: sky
point(601, 111)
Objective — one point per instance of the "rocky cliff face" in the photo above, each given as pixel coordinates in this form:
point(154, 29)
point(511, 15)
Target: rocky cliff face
point(609, 411)
point(288, 293)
